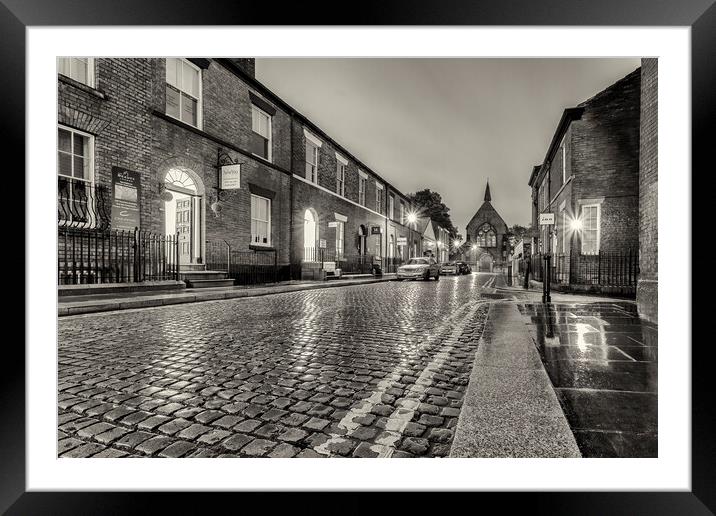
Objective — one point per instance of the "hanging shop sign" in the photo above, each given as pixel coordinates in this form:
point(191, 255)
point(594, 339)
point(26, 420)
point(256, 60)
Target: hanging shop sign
point(230, 176)
point(546, 219)
point(126, 197)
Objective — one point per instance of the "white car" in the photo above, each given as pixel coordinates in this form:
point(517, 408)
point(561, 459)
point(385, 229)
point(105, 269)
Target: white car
point(424, 268)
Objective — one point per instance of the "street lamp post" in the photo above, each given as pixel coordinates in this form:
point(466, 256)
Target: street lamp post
point(575, 226)
point(412, 219)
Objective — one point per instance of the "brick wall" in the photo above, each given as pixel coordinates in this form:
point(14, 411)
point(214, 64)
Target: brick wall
point(176, 147)
point(327, 168)
point(125, 113)
point(116, 113)
point(226, 108)
point(325, 205)
point(605, 160)
point(647, 288)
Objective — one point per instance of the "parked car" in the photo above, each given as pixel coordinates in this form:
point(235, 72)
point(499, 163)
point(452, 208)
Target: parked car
point(449, 268)
point(424, 268)
point(463, 268)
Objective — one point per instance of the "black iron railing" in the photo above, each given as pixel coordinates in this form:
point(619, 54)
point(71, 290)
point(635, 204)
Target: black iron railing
point(391, 264)
point(607, 269)
point(347, 263)
point(82, 205)
point(86, 256)
point(245, 267)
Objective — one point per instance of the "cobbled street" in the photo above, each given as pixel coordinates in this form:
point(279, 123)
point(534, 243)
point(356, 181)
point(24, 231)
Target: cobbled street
point(375, 370)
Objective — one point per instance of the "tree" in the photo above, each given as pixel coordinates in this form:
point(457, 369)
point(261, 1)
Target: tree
point(516, 232)
point(430, 204)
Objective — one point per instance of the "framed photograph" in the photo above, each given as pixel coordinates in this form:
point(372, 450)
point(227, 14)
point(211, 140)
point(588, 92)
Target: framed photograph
point(422, 245)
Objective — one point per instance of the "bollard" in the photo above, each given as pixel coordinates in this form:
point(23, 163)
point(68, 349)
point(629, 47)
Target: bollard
point(528, 263)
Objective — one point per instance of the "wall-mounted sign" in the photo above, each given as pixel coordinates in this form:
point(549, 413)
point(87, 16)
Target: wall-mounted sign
point(329, 266)
point(126, 196)
point(333, 224)
point(402, 240)
point(322, 243)
point(230, 177)
point(546, 219)
point(376, 230)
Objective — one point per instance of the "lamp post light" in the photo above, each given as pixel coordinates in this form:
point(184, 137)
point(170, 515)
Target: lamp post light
point(575, 226)
point(411, 219)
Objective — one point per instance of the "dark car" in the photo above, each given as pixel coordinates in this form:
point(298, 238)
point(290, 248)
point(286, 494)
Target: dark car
point(463, 268)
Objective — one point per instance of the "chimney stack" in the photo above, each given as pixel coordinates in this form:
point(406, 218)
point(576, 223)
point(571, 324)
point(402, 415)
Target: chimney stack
point(247, 64)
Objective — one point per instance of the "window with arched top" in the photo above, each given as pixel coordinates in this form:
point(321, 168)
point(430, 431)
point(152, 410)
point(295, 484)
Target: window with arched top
point(177, 178)
point(486, 236)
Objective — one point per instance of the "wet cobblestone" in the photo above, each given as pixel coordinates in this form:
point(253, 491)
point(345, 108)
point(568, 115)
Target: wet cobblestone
point(364, 371)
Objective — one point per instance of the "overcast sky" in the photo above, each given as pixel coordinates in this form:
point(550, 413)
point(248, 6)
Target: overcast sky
point(444, 124)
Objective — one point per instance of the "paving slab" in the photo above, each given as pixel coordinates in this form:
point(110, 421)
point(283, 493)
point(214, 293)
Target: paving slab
point(510, 408)
point(602, 359)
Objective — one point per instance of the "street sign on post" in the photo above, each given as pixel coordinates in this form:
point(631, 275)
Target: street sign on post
point(322, 244)
point(546, 219)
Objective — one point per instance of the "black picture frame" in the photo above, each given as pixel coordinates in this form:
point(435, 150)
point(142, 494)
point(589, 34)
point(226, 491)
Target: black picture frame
point(700, 15)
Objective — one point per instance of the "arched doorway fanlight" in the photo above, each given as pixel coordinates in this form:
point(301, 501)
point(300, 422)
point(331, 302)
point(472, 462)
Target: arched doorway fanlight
point(178, 179)
point(310, 235)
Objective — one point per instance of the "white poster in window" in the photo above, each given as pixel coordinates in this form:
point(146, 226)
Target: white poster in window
point(231, 177)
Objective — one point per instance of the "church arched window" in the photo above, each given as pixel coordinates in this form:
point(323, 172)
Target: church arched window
point(486, 236)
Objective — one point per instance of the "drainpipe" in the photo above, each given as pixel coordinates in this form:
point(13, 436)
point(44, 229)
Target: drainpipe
point(290, 201)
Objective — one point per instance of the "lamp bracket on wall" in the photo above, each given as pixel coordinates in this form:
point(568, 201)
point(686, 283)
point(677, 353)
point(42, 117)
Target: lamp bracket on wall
point(224, 158)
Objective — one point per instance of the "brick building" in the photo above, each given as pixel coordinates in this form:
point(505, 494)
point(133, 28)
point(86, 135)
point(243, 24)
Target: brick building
point(647, 295)
point(589, 180)
point(200, 149)
point(487, 244)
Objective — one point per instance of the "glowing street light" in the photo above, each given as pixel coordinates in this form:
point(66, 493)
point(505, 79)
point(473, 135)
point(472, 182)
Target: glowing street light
point(412, 217)
point(575, 224)
point(474, 247)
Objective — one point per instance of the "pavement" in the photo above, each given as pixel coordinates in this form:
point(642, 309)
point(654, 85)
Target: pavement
point(92, 303)
point(371, 369)
point(602, 360)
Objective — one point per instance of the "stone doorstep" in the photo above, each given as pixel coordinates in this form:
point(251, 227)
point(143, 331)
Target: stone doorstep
point(85, 307)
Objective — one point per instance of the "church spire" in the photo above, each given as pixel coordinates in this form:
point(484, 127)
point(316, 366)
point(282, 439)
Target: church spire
point(487, 192)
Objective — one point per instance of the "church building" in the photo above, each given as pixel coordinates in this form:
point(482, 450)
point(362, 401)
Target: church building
point(487, 245)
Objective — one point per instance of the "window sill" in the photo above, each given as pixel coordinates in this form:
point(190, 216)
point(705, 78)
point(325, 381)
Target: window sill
point(81, 86)
point(257, 247)
point(182, 122)
point(261, 158)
